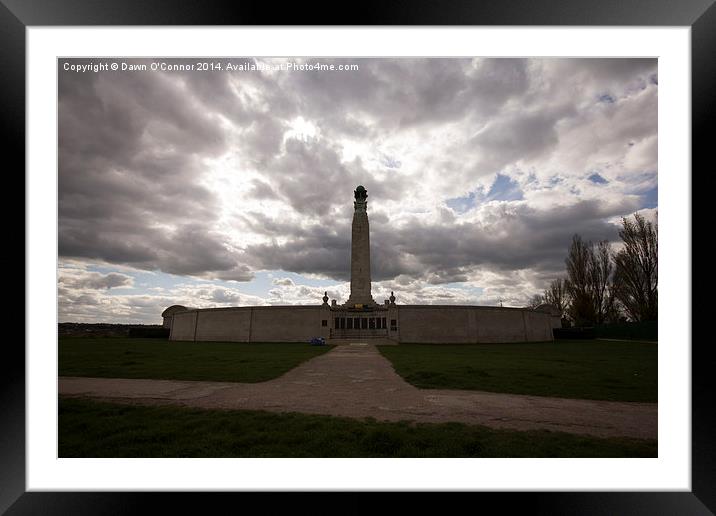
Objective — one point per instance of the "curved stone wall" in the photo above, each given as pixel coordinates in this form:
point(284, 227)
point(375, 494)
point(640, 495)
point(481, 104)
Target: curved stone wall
point(443, 324)
point(472, 324)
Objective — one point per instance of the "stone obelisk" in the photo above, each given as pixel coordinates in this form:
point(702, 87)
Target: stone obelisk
point(360, 254)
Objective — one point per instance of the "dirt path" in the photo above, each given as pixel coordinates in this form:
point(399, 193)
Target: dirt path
point(357, 381)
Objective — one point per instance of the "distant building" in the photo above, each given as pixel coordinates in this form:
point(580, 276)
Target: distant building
point(361, 317)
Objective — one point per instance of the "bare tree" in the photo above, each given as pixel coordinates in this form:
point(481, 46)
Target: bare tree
point(579, 282)
point(535, 301)
point(636, 269)
point(556, 294)
point(600, 271)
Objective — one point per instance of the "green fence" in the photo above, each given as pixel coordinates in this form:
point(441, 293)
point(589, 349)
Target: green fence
point(574, 333)
point(626, 331)
point(635, 331)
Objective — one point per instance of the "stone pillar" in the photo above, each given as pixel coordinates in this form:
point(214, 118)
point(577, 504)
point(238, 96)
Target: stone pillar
point(393, 315)
point(326, 316)
point(360, 253)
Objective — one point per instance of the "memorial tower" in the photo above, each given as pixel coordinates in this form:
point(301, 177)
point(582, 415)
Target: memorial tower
point(360, 296)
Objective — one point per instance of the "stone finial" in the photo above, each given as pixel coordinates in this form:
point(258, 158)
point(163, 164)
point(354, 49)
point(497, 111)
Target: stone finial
point(392, 298)
point(361, 199)
point(333, 302)
point(361, 194)
point(325, 298)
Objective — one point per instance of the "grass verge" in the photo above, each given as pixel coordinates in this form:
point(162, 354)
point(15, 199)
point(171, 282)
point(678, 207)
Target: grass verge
point(174, 360)
point(97, 429)
point(586, 369)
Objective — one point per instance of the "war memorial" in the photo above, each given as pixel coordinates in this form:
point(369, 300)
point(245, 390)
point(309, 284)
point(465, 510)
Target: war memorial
point(360, 317)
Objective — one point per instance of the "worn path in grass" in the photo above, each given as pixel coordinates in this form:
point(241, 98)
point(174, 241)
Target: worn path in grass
point(357, 381)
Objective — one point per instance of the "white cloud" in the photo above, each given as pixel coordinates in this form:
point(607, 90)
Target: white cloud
point(80, 279)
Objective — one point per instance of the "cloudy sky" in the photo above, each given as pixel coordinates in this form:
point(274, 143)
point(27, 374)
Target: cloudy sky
point(226, 188)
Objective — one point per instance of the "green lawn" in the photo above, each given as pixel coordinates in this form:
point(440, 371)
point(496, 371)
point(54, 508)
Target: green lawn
point(599, 370)
point(173, 360)
point(96, 429)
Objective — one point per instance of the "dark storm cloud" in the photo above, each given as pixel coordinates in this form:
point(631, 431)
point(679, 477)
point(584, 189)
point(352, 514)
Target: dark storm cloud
point(311, 178)
point(614, 70)
point(510, 237)
point(84, 280)
point(133, 152)
point(309, 175)
point(519, 136)
point(318, 251)
point(395, 94)
point(130, 149)
point(262, 190)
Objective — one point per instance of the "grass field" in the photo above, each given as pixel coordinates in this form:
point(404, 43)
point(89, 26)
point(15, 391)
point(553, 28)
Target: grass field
point(96, 429)
point(599, 370)
point(173, 360)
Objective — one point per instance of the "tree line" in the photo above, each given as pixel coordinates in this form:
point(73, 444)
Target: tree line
point(607, 284)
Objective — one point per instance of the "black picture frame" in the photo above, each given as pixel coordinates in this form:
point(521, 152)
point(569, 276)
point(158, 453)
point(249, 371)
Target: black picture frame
point(700, 15)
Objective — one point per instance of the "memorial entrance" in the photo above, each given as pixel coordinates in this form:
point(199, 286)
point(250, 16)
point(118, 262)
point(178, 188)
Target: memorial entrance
point(349, 324)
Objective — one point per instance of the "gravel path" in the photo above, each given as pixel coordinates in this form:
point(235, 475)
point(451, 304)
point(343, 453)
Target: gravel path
point(357, 381)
